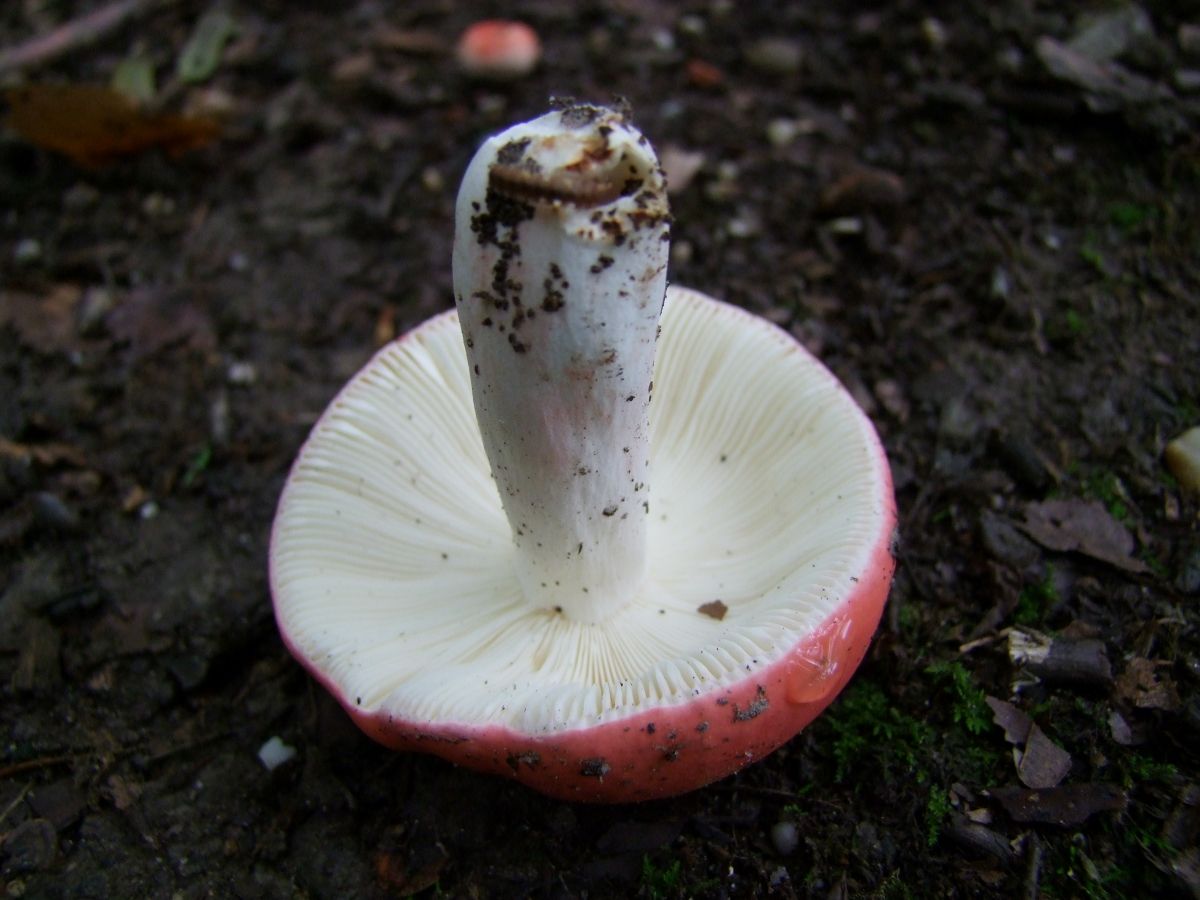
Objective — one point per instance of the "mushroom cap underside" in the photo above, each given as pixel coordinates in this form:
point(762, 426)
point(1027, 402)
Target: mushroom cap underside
point(771, 521)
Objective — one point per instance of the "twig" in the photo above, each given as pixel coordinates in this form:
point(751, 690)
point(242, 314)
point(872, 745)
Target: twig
point(41, 762)
point(16, 802)
point(74, 34)
point(1033, 872)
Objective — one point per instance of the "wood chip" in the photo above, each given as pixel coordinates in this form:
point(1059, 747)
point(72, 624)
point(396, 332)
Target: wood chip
point(1083, 662)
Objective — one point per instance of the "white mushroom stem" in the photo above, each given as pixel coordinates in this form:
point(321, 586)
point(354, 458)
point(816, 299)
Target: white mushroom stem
point(560, 259)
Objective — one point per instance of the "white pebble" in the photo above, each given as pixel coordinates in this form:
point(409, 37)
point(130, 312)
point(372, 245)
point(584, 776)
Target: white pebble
point(786, 837)
point(274, 753)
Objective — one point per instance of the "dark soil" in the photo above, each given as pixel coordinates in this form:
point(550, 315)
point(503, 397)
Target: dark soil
point(998, 255)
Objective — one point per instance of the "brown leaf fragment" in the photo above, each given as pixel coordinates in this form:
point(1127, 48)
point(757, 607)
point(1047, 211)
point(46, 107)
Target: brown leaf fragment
point(861, 189)
point(150, 321)
point(1044, 764)
point(95, 125)
point(1108, 85)
point(1067, 806)
point(714, 609)
point(45, 323)
point(47, 455)
point(1082, 526)
point(1140, 685)
point(1015, 723)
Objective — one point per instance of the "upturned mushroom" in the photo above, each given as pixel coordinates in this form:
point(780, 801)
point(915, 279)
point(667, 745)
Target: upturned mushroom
point(557, 536)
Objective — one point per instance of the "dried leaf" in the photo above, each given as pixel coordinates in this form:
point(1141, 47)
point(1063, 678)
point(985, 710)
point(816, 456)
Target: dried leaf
point(45, 323)
point(43, 454)
point(679, 166)
point(1069, 805)
point(1082, 526)
point(1108, 84)
point(1044, 764)
point(1015, 723)
point(150, 321)
point(1141, 686)
point(95, 125)
point(202, 53)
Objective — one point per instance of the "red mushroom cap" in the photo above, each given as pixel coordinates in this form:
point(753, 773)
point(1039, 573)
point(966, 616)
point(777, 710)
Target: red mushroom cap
point(499, 50)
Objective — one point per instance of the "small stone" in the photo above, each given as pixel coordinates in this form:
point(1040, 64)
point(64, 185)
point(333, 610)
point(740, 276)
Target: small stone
point(1189, 39)
point(775, 56)
point(52, 512)
point(96, 304)
point(432, 180)
point(157, 205)
point(679, 166)
point(274, 753)
point(934, 33)
point(27, 251)
point(1001, 287)
point(781, 132)
point(80, 197)
point(1110, 35)
point(1183, 459)
point(1187, 80)
point(743, 226)
point(785, 837)
point(241, 373)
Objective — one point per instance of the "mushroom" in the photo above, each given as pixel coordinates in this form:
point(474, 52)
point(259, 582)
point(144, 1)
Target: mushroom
point(496, 547)
point(498, 50)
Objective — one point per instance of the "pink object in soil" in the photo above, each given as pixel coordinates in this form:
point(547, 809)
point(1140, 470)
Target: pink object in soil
point(499, 50)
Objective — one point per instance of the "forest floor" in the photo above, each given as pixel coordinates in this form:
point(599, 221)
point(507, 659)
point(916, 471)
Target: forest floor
point(982, 216)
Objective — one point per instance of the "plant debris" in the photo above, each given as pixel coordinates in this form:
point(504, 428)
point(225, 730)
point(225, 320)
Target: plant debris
point(95, 125)
point(1066, 806)
point(1082, 526)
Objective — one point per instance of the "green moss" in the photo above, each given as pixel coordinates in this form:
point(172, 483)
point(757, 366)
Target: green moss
point(1109, 490)
point(1036, 600)
point(869, 731)
point(969, 707)
point(1138, 769)
point(936, 811)
point(661, 881)
point(1130, 216)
